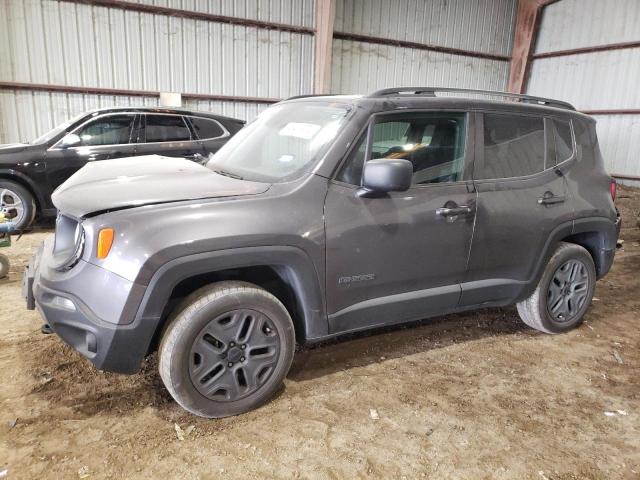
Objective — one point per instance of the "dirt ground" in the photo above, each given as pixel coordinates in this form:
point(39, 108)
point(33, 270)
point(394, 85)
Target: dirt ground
point(477, 395)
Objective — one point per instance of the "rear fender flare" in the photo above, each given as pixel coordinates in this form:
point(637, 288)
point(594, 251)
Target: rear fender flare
point(564, 230)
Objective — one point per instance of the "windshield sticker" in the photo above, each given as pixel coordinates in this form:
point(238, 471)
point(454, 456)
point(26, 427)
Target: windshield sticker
point(305, 131)
point(286, 158)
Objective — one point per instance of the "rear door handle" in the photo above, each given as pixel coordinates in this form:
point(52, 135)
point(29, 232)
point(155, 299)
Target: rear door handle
point(550, 199)
point(453, 211)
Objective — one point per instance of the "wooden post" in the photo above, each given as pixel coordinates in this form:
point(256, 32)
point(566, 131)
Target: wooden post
point(325, 13)
point(524, 37)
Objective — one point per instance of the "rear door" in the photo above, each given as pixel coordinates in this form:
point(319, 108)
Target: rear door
point(401, 256)
point(169, 135)
point(522, 197)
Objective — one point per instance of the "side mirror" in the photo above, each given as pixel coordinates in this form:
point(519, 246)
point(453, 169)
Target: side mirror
point(70, 140)
point(384, 175)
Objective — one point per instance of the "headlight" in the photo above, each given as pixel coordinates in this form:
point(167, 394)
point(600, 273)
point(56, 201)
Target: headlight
point(68, 243)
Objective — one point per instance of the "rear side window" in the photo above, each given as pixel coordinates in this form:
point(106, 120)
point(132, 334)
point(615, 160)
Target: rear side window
point(166, 128)
point(206, 128)
point(563, 140)
point(513, 146)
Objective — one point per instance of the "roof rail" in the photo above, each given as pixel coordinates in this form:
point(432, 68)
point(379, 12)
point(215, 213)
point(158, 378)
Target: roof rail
point(431, 92)
point(310, 95)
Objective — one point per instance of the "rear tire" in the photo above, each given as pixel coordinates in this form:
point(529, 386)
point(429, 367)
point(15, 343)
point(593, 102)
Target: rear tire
point(17, 203)
point(564, 292)
point(227, 349)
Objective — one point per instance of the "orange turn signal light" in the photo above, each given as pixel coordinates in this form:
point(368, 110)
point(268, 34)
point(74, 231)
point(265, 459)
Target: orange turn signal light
point(105, 240)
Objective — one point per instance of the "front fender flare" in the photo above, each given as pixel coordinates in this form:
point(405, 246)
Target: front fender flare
point(291, 262)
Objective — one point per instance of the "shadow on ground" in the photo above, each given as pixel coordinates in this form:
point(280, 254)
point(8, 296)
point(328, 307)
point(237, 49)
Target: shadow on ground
point(67, 380)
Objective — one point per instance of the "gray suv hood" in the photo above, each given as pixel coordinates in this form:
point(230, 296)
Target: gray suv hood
point(136, 181)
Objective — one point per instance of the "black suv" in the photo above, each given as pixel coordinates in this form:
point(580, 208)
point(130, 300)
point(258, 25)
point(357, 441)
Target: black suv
point(30, 172)
point(326, 215)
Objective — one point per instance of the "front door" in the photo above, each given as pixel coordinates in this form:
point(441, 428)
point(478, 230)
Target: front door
point(101, 138)
point(401, 256)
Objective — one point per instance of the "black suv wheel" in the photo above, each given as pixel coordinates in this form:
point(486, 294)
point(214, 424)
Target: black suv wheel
point(17, 204)
point(564, 293)
point(227, 350)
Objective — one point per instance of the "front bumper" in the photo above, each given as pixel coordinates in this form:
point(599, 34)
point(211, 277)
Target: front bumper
point(97, 319)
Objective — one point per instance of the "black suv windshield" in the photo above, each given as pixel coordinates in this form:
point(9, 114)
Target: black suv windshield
point(51, 134)
point(281, 143)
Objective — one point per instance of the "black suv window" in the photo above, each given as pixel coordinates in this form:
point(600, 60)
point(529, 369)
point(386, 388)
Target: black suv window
point(106, 130)
point(563, 140)
point(513, 146)
point(434, 143)
point(206, 128)
point(166, 128)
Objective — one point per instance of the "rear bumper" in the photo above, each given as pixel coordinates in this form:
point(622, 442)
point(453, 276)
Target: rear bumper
point(607, 255)
point(111, 346)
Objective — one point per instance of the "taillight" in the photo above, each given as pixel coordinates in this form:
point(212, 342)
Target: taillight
point(613, 189)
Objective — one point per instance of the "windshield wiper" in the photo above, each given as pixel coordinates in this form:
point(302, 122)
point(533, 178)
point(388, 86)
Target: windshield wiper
point(228, 174)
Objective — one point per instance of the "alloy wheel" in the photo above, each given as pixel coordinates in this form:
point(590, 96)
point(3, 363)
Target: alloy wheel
point(568, 291)
point(234, 355)
point(11, 205)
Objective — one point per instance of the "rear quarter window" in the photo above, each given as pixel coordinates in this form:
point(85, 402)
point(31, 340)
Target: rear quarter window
point(514, 146)
point(206, 128)
point(563, 140)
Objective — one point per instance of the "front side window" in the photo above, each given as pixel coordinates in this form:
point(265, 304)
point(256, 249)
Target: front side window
point(206, 128)
point(281, 142)
point(513, 146)
point(166, 128)
point(107, 130)
point(434, 143)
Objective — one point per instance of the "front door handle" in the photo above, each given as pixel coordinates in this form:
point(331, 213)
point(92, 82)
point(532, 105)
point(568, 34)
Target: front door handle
point(453, 211)
point(550, 199)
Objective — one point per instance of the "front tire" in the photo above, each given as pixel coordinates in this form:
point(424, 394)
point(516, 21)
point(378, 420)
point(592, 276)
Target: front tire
point(227, 350)
point(564, 292)
point(17, 203)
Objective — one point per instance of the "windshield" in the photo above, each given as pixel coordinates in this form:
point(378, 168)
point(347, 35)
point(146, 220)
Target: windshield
point(51, 134)
point(281, 143)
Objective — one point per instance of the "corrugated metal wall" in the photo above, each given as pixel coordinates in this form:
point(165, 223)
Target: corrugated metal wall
point(79, 45)
point(484, 26)
point(290, 12)
point(65, 43)
point(602, 80)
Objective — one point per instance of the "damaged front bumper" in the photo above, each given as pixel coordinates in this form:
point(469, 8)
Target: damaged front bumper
point(96, 319)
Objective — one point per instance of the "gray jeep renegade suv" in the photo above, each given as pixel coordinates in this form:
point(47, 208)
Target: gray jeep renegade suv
point(326, 215)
